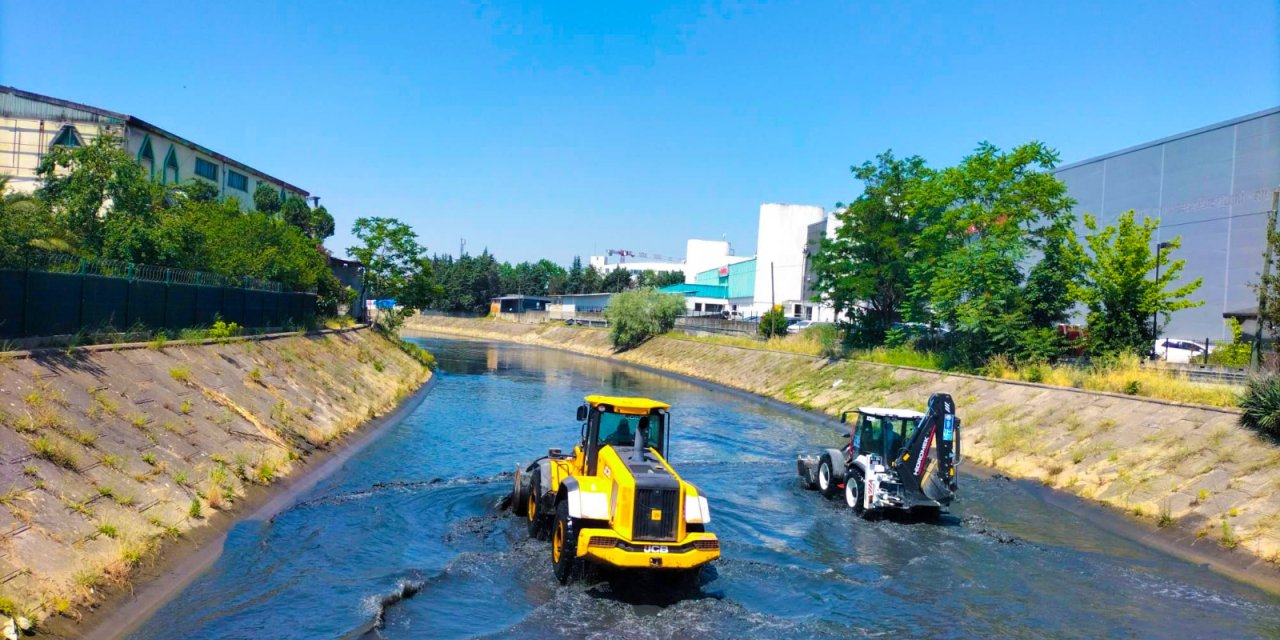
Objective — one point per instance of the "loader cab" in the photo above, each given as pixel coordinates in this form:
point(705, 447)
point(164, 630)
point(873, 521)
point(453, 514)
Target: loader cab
point(880, 432)
point(617, 421)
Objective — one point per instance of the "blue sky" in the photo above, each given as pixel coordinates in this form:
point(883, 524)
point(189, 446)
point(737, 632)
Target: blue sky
point(577, 127)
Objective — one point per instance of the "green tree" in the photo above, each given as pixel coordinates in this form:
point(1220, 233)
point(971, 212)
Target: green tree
point(573, 279)
point(865, 268)
point(322, 225)
point(987, 215)
point(25, 223)
point(773, 322)
point(86, 185)
point(198, 190)
point(592, 281)
point(296, 212)
point(1121, 298)
point(266, 199)
point(636, 316)
point(390, 253)
point(617, 280)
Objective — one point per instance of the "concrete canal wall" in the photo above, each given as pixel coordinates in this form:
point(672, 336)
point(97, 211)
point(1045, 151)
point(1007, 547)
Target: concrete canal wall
point(109, 454)
point(1188, 470)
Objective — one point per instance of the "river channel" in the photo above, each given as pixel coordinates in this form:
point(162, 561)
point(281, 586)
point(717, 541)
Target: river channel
point(405, 541)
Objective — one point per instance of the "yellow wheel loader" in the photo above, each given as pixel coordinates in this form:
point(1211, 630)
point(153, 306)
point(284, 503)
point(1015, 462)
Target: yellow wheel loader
point(614, 500)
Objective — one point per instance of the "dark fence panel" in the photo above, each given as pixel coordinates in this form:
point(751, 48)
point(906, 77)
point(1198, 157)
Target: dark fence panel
point(53, 303)
point(106, 303)
point(13, 292)
point(147, 303)
point(56, 302)
point(209, 305)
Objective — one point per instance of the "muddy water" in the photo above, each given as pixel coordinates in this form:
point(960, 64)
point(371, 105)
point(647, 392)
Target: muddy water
point(405, 542)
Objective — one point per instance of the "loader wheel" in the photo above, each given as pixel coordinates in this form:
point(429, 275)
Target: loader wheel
point(828, 477)
point(564, 545)
point(853, 493)
point(537, 520)
point(519, 495)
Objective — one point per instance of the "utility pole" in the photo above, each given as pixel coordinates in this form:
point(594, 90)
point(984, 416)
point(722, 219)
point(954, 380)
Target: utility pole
point(462, 248)
point(1255, 354)
point(773, 295)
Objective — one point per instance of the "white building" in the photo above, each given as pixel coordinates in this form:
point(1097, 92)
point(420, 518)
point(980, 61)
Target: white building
point(31, 124)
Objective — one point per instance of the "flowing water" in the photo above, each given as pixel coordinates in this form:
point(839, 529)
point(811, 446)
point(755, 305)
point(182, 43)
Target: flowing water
point(405, 540)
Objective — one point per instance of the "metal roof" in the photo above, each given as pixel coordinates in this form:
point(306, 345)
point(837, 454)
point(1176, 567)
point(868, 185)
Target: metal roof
point(890, 413)
point(16, 102)
point(521, 297)
point(628, 405)
point(1186, 134)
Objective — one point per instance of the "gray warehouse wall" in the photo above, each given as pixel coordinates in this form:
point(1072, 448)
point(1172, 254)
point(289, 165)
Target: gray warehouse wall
point(1213, 188)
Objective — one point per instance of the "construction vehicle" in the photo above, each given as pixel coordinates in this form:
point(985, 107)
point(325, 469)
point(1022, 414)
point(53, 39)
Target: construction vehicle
point(615, 500)
point(896, 459)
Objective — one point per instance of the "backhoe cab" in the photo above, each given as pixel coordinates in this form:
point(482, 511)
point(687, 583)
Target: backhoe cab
point(895, 459)
point(614, 500)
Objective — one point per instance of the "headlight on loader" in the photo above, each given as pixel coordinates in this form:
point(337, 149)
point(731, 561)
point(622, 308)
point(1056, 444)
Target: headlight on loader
point(593, 506)
point(696, 510)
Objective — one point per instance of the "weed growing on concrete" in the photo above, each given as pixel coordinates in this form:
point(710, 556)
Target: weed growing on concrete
point(139, 421)
point(31, 471)
point(1201, 497)
point(170, 426)
point(106, 492)
point(158, 343)
point(149, 458)
point(255, 374)
point(51, 450)
point(109, 530)
point(185, 407)
point(194, 509)
point(79, 506)
point(180, 374)
point(1165, 517)
point(102, 403)
point(10, 496)
point(88, 579)
point(86, 438)
point(180, 477)
point(112, 461)
point(1229, 539)
point(265, 472)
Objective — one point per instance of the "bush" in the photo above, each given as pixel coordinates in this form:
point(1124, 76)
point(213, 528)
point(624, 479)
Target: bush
point(773, 323)
point(636, 316)
point(1261, 405)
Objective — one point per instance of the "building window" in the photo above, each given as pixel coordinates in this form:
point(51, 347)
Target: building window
point(237, 181)
point(147, 157)
point(67, 137)
point(206, 169)
point(170, 167)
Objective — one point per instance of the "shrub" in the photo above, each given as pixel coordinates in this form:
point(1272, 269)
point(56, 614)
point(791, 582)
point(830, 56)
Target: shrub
point(50, 450)
point(636, 316)
point(180, 374)
point(194, 510)
point(773, 322)
point(224, 330)
point(1261, 405)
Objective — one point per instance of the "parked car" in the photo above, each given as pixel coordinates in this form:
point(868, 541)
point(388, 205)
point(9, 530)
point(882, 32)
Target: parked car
point(801, 325)
point(1179, 350)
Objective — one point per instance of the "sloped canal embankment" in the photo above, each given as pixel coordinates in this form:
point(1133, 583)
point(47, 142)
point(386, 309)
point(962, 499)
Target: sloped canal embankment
point(405, 541)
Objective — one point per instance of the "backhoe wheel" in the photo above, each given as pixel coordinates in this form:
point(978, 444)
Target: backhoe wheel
point(520, 493)
point(853, 492)
point(828, 476)
point(537, 519)
point(564, 545)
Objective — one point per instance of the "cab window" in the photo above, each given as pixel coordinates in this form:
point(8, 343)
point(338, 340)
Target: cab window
point(619, 430)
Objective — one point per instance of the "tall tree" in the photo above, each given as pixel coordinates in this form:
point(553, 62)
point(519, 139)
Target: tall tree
point(573, 280)
point(1122, 298)
point(616, 281)
point(390, 253)
point(865, 268)
point(87, 184)
point(592, 281)
point(266, 199)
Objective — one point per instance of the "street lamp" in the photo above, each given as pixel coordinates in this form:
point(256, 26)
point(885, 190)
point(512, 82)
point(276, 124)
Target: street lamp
point(1155, 332)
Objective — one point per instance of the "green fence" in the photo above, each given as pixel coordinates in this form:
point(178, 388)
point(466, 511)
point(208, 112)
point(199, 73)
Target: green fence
point(59, 295)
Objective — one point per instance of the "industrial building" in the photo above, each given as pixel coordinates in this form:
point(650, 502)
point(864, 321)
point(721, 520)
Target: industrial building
point(31, 124)
point(1212, 188)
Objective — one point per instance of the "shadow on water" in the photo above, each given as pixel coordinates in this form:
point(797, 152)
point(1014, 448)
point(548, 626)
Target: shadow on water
point(409, 539)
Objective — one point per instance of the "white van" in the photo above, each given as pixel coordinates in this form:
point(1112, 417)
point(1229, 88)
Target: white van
point(1178, 350)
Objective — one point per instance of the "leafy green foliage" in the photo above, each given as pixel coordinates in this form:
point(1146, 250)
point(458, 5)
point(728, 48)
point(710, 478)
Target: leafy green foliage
point(395, 264)
point(636, 316)
point(1235, 353)
point(266, 199)
point(616, 281)
point(773, 322)
point(1261, 405)
point(866, 266)
point(1117, 287)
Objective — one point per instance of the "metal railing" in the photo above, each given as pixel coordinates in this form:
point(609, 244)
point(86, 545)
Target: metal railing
point(53, 262)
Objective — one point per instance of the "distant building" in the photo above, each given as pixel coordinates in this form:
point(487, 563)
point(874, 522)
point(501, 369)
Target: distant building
point(518, 304)
point(351, 273)
point(31, 124)
point(701, 299)
point(1211, 186)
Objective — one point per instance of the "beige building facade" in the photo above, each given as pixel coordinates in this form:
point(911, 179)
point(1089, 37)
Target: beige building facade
point(31, 124)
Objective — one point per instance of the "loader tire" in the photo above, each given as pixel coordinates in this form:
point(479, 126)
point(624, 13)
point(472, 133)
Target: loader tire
point(520, 493)
point(537, 519)
point(564, 545)
point(830, 476)
point(854, 487)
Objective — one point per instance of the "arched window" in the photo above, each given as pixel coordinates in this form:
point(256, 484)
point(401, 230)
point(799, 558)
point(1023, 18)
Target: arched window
point(147, 157)
point(170, 167)
point(67, 137)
